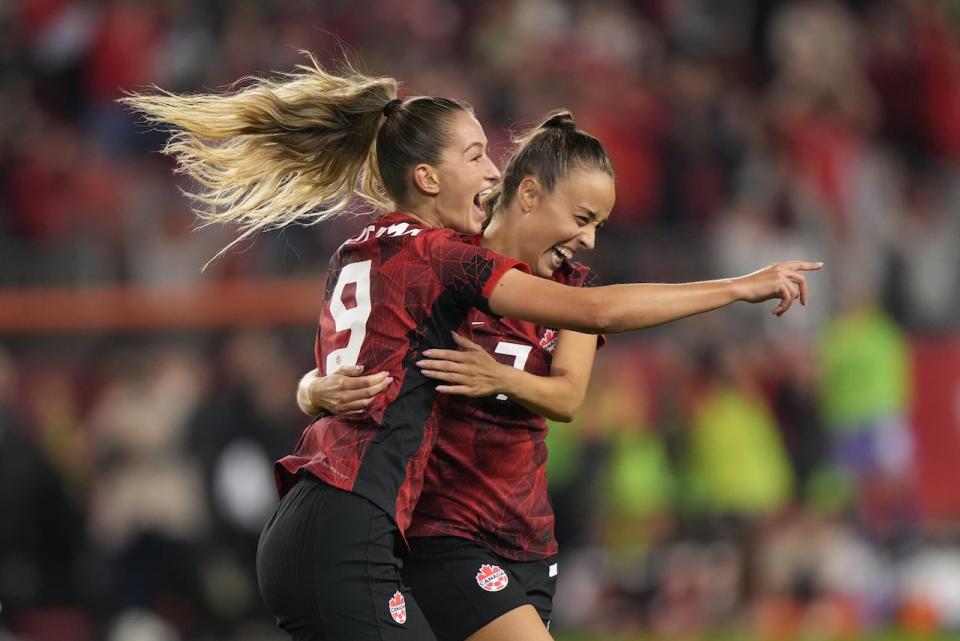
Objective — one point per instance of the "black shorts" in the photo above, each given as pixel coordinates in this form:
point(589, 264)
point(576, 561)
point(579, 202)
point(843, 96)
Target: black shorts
point(462, 586)
point(329, 565)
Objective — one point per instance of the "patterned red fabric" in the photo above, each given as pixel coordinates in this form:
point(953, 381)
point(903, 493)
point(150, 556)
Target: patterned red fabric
point(486, 479)
point(392, 291)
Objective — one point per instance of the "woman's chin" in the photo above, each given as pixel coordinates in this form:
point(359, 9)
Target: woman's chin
point(472, 227)
point(479, 217)
point(470, 222)
point(545, 267)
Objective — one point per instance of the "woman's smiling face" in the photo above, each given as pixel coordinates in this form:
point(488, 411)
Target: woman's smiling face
point(464, 172)
point(565, 220)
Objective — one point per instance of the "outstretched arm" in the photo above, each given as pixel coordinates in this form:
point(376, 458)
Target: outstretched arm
point(471, 371)
point(622, 308)
point(343, 391)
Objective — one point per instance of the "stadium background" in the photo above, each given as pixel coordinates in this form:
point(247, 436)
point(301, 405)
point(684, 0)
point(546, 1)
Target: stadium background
point(730, 476)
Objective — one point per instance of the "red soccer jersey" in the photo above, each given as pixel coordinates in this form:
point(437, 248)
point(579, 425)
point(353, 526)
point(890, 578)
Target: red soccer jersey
point(486, 479)
point(392, 291)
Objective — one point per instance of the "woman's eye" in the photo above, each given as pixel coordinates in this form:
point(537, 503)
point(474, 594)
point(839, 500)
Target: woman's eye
point(476, 158)
point(582, 220)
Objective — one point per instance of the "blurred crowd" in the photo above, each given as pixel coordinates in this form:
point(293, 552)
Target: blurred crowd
point(734, 471)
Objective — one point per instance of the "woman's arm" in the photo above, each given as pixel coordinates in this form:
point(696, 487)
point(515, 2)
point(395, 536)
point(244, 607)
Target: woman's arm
point(471, 371)
point(622, 308)
point(343, 391)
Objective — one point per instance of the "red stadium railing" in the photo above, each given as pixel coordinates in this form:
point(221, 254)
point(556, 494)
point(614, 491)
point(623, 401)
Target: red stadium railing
point(241, 303)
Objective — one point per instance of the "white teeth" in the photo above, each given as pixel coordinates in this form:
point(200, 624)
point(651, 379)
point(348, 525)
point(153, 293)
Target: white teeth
point(563, 252)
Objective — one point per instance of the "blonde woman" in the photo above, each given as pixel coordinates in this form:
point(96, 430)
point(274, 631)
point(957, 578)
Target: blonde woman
point(482, 547)
point(299, 148)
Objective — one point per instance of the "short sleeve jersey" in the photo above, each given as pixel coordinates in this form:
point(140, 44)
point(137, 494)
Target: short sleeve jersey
point(392, 291)
point(486, 479)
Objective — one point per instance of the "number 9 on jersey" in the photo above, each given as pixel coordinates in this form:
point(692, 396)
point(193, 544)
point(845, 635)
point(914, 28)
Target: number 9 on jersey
point(352, 319)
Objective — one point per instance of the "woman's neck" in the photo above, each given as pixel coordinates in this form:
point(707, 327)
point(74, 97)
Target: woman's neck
point(502, 234)
point(422, 212)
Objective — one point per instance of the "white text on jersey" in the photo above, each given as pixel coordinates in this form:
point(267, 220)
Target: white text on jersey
point(397, 229)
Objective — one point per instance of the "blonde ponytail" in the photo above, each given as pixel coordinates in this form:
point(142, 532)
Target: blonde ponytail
point(294, 148)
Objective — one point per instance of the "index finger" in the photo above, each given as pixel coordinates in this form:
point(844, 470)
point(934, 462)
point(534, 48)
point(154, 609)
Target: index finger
point(348, 370)
point(360, 382)
point(805, 265)
point(465, 342)
point(444, 354)
point(352, 396)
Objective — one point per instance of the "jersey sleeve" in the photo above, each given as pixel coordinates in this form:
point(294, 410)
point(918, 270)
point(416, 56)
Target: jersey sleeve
point(468, 270)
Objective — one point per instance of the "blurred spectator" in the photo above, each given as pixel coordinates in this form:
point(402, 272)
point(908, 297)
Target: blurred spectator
point(245, 424)
point(864, 393)
point(737, 464)
point(41, 533)
point(147, 507)
point(925, 263)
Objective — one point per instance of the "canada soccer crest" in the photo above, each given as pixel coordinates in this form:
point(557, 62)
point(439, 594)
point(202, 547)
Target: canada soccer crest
point(548, 340)
point(398, 608)
point(491, 578)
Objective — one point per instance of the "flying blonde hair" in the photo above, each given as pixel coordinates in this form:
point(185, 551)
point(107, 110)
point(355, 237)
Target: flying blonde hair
point(294, 148)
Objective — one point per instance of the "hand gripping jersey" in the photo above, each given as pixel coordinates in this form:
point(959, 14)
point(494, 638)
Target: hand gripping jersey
point(392, 291)
point(486, 479)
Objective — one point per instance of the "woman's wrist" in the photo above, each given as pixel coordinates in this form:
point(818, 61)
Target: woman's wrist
point(738, 288)
point(508, 379)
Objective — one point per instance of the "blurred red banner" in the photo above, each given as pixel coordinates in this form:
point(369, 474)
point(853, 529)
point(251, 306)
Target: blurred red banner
point(936, 424)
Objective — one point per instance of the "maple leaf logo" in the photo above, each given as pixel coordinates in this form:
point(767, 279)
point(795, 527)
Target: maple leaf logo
point(491, 578)
point(549, 339)
point(398, 608)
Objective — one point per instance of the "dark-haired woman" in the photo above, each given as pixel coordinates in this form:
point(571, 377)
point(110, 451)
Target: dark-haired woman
point(295, 149)
point(482, 537)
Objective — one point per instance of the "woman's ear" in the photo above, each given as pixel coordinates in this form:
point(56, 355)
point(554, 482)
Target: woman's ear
point(426, 179)
point(529, 192)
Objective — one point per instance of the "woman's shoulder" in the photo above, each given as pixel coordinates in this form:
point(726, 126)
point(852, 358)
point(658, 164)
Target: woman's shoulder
point(576, 275)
